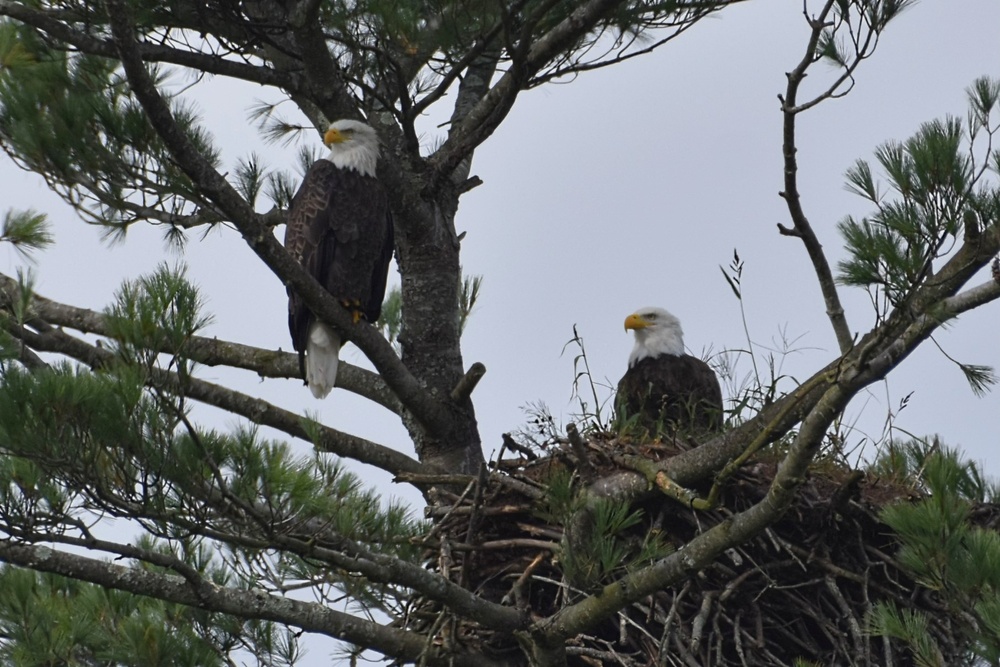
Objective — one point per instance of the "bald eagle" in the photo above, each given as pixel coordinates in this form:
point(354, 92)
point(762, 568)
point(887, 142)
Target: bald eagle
point(663, 387)
point(340, 230)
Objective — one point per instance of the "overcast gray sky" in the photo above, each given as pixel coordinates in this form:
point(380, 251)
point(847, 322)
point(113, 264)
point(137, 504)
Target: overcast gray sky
point(625, 188)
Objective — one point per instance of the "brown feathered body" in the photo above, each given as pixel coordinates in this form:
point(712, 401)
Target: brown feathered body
point(340, 230)
point(673, 392)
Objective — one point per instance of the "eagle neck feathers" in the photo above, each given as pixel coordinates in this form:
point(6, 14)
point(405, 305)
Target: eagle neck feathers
point(361, 158)
point(665, 338)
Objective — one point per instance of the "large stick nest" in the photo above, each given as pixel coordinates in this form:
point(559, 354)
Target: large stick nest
point(802, 589)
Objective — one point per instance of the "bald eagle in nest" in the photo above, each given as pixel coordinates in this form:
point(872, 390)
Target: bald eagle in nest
point(664, 388)
point(340, 231)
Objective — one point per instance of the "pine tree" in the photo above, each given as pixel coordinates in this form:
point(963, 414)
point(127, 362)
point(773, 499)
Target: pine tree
point(589, 547)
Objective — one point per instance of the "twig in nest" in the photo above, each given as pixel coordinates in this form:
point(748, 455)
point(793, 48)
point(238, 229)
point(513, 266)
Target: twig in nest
point(685, 653)
point(609, 656)
point(580, 449)
point(735, 583)
point(444, 558)
point(528, 488)
point(860, 644)
point(450, 510)
point(671, 616)
point(497, 545)
point(510, 443)
point(698, 626)
point(738, 637)
point(540, 530)
point(418, 479)
point(826, 564)
point(473, 528)
point(438, 625)
point(429, 511)
point(477, 505)
point(846, 491)
point(517, 590)
point(627, 620)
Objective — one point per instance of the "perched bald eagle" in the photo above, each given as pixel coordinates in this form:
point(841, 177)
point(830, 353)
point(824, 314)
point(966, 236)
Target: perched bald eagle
point(340, 230)
point(663, 387)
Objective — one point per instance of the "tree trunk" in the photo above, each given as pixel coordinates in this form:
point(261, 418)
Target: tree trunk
point(428, 255)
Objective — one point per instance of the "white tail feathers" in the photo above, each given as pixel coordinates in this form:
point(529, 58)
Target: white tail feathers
point(322, 357)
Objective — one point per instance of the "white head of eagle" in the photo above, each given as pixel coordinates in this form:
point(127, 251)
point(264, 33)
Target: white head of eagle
point(656, 332)
point(340, 230)
point(353, 145)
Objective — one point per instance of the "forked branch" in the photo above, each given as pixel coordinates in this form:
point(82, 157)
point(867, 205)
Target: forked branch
point(802, 228)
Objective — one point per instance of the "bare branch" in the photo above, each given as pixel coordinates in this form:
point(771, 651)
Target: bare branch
point(972, 298)
point(804, 230)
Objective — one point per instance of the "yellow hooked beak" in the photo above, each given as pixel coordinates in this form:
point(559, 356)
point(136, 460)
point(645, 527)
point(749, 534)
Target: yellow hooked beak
point(333, 136)
point(636, 321)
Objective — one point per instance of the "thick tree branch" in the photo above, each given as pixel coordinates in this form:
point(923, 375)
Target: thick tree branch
point(255, 409)
point(260, 526)
point(309, 616)
point(972, 298)
point(463, 390)
point(431, 414)
point(326, 83)
point(773, 421)
point(382, 568)
point(679, 27)
point(472, 88)
point(208, 351)
point(474, 54)
point(482, 119)
point(923, 326)
point(199, 61)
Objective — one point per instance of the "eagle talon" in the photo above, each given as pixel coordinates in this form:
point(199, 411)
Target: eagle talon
point(353, 305)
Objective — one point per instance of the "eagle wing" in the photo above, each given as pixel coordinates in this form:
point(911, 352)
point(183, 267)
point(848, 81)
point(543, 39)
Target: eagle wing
point(680, 392)
point(340, 229)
